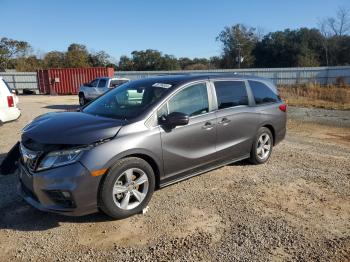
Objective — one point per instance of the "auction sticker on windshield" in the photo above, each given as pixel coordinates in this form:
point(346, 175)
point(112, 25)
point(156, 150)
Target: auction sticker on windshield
point(162, 85)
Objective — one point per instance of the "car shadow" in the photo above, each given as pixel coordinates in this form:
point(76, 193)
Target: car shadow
point(2, 157)
point(20, 216)
point(70, 108)
point(244, 162)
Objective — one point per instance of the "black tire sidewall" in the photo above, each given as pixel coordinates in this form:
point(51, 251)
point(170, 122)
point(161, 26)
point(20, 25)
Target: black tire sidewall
point(84, 101)
point(253, 154)
point(106, 203)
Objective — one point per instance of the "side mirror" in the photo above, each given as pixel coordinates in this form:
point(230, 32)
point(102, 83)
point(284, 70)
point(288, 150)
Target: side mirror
point(174, 119)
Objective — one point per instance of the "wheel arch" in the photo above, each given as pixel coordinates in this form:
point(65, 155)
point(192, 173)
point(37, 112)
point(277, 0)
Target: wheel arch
point(152, 163)
point(272, 129)
point(152, 160)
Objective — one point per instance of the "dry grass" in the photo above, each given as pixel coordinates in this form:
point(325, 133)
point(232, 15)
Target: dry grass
point(312, 95)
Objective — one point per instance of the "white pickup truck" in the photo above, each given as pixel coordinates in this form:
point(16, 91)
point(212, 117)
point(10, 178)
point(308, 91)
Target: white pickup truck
point(97, 87)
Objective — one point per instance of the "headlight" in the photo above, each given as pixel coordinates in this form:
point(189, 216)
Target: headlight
point(60, 158)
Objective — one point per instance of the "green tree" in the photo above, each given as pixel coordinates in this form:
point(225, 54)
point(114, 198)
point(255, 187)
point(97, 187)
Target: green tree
point(169, 62)
point(11, 49)
point(288, 48)
point(28, 64)
point(125, 64)
point(54, 59)
point(215, 62)
point(100, 58)
point(77, 56)
point(148, 60)
point(238, 42)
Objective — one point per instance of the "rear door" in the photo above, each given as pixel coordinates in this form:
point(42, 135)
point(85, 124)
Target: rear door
point(236, 118)
point(189, 148)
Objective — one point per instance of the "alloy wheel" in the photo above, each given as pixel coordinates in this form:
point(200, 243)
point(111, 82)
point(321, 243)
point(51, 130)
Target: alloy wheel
point(130, 188)
point(263, 147)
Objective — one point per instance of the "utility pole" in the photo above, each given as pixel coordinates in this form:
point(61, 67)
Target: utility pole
point(239, 55)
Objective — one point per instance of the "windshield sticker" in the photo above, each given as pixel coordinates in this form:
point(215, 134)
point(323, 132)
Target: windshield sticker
point(162, 85)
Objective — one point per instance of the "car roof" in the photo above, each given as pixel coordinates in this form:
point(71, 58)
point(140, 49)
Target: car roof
point(184, 78)
point(112, 78)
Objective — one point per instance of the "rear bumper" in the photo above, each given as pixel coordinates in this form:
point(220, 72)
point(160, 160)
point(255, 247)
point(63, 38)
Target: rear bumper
point(41, 190)
point(10, 114)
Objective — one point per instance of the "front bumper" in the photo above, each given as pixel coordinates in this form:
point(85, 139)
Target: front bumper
point(38, 189)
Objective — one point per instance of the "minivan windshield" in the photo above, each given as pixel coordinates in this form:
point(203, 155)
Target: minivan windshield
point(127, 100)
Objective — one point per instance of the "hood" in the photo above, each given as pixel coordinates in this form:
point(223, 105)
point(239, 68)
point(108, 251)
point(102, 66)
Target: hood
point(71, 128)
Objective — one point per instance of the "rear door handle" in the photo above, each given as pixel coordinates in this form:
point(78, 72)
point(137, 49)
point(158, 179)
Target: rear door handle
point(208, 126)
point(225, 121)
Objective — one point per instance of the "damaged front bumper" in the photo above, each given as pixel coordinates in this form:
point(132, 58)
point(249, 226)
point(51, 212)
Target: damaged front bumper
point(68, 190)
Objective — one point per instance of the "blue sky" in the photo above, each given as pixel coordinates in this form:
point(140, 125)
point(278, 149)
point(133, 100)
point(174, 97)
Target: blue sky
point(181, 28)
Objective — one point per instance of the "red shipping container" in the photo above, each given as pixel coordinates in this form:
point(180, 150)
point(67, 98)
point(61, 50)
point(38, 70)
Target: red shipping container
point(66, 81)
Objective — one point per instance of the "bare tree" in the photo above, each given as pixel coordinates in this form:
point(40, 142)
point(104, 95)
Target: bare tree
point(331, 27)
point(338, 25)
point(323, 27)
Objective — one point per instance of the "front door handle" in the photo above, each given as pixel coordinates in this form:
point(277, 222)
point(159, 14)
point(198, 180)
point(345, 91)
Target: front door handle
point(208, 126)
point(225, 121)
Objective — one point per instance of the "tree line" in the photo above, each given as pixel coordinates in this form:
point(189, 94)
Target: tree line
point(242, 46)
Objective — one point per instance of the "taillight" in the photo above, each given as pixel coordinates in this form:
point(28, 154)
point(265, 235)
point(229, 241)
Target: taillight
point(10, 102)
point(283, 107)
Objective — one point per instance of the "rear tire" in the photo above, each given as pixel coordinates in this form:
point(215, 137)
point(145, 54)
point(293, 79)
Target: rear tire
point(127, 188)
point(262, 146)
point(82, 100)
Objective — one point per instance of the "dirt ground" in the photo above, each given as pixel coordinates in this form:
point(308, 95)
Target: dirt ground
point(296, 207)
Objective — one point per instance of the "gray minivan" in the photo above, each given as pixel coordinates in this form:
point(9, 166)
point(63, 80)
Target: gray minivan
point(142, 136)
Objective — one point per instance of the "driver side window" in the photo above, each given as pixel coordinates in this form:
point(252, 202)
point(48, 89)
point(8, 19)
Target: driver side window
point(93, 83)
point(191, 101)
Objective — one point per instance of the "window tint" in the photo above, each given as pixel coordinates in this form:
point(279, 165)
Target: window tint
point(191, 101)
point(231, 93)
point(102, 83)
point(262, 93)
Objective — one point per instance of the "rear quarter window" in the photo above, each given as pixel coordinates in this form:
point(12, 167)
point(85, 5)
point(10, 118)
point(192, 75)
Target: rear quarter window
point(262, 93)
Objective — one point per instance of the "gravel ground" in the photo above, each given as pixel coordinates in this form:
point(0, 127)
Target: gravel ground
point(296, 207)
point(321, 116)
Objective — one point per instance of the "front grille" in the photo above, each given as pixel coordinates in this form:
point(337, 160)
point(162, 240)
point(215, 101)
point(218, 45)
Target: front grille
point(30, 158)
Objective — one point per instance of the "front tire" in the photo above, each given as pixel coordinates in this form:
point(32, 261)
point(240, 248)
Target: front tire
point(82, 100)
point(262, 146)
point(127, 188)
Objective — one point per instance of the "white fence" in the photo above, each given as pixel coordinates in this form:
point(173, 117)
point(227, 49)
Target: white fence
point(21, 80)
point(280, 76)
